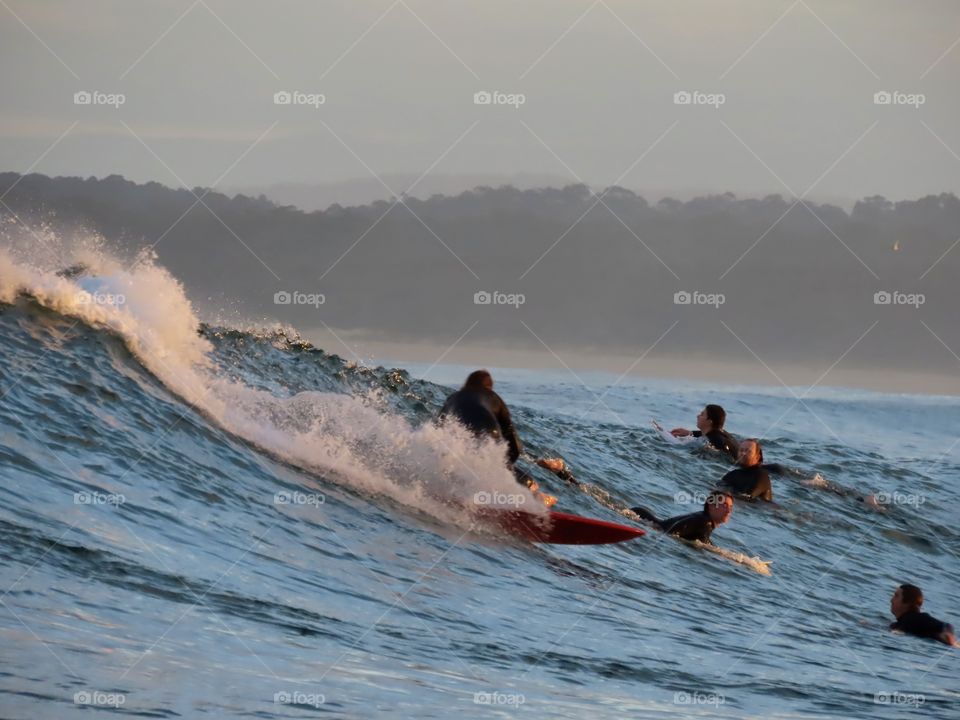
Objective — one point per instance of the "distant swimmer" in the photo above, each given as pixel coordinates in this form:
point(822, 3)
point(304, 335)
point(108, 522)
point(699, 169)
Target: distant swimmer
point(905, 606)
point(751, 479)
point(710, 425)
point(695, 526)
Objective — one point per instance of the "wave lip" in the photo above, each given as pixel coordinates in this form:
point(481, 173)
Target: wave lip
point(354, 440)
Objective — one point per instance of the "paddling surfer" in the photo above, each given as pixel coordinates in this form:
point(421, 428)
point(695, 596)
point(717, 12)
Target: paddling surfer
point(710, 423)
point(751, 479)
point(905, 605)
point(695, 526)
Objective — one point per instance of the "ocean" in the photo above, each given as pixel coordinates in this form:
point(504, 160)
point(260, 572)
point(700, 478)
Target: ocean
point(210, 521)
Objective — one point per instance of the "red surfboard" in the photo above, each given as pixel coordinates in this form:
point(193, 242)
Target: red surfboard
point(557, 528)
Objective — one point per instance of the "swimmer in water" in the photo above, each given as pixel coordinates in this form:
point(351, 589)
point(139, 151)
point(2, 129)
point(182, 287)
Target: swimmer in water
point(695, 526)
point(751, 480)
point(710, 423)
point(905, 606)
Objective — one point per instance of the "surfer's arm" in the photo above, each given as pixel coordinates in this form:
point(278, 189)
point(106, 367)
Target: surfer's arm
point(507, 431)
point(444, 411)
point(763, 490)
point(559, 468)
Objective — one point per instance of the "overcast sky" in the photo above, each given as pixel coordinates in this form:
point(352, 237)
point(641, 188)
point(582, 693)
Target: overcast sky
point(598, 79)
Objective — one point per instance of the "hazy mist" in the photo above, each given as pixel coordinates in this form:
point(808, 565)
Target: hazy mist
point(734, 149)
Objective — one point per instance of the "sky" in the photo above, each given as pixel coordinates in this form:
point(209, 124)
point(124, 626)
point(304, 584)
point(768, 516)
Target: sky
point(782, 94)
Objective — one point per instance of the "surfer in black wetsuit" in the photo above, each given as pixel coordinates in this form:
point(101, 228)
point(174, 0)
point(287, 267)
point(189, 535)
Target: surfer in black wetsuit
point(751, 480)
point(484, 413)
point(695, 526)
point(710, 425)
point(905, 606)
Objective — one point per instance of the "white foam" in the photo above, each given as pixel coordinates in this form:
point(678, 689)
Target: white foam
point(817, 481)
point(353, 440)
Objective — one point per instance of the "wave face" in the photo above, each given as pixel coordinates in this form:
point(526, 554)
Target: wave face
point(230, 521)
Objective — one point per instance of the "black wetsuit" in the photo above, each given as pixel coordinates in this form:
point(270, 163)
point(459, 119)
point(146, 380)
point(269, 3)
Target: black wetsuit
point(921, 624)
point(752, 482)
point(721, 440)
point(485, 413)
point(695, 526)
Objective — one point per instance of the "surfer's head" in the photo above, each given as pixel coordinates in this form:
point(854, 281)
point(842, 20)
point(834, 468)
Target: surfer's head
point(750, 453)
point(479, 380)
point(718, 506)
point(712, 417)
point(905, 598)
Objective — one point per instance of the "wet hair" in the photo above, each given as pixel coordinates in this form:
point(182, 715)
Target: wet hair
point(479, 379)
point(759, 447)
point(912, 595)
point(717, 415)
point(717, 497)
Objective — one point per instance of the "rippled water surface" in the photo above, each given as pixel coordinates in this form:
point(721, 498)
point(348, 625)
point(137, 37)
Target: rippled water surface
point(149, 569)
